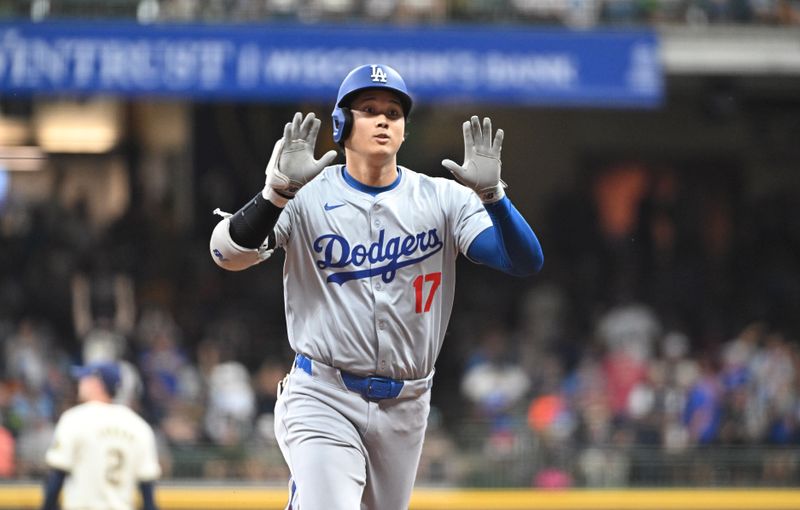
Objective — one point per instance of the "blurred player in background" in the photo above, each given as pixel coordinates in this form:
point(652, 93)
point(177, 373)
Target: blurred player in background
point(103, 450)
point(369, 281)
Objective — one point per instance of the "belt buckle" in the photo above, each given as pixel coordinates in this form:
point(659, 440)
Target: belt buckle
point(378, 388)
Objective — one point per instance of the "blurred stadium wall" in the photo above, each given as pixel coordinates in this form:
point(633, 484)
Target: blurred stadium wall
point(216, 498)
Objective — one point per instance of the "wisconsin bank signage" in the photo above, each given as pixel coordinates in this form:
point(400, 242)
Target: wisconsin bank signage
point(301, 62)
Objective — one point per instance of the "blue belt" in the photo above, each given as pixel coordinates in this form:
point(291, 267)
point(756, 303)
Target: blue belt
point(371, 388)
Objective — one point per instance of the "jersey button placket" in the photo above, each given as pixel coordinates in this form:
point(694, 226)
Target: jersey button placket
point(383, 353)
point(381, 324)
point(376, 223)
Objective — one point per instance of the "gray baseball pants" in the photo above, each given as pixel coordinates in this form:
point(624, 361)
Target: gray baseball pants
point(344, 451)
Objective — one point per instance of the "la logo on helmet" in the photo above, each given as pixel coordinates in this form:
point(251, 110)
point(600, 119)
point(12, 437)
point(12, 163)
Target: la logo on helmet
point(378, 75)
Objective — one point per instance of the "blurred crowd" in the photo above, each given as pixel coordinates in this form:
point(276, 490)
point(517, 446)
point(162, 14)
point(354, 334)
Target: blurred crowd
point(572, 13)
point(638, 407)
point(659, 346)
point(140, 291)
point(661, 337)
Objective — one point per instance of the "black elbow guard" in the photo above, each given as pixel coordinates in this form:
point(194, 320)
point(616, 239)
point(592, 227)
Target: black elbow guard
point(251, 224)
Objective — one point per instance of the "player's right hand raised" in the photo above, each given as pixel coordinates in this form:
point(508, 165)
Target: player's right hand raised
point(292, 163)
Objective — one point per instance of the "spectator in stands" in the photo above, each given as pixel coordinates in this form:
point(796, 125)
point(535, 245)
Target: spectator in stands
point(166, 371)
point(7, 453)
point(494, 382)
point(703, 411)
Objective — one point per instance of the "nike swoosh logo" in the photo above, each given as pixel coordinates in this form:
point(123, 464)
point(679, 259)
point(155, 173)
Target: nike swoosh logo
point(332, 207)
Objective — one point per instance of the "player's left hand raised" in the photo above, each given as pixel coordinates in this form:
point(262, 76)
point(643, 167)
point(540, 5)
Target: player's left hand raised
point(481, 168)
point(296, 164)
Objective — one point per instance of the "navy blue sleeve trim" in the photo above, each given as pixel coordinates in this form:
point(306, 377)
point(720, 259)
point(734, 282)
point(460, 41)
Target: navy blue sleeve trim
point(148, 490)
point(509, 245)
point(52, 488)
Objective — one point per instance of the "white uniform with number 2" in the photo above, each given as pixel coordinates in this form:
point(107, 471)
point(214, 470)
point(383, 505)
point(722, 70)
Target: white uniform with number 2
point(369, 284)
point(106, 449)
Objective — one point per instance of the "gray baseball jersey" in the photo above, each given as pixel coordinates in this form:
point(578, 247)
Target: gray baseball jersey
point(106, 449)
point(369, 280)
point(369, 283)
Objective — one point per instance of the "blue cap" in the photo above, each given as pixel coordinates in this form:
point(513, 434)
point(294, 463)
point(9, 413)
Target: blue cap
point(371, 76)
point(107, 371)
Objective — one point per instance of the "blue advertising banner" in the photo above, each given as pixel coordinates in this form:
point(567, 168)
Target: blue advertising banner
point(300, 62)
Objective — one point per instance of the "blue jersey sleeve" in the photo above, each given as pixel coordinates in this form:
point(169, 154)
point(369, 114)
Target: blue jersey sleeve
point(509, 245)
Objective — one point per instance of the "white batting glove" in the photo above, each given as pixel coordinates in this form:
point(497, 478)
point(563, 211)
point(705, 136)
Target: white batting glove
point(481, 168)
point(292, 163)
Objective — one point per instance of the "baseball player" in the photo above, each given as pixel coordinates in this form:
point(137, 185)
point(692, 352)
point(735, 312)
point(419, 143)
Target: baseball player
point(369, 279)
point(102, 449)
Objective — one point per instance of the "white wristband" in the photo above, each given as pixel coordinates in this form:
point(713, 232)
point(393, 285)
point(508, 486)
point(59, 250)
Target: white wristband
point(273, 196)
point(493, 194)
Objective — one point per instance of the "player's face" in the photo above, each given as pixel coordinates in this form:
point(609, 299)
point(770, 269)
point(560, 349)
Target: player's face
point(378, 123)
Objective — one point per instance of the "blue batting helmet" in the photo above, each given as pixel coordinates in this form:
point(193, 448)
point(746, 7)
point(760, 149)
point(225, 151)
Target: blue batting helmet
point(107, 372)
point(370, 76)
